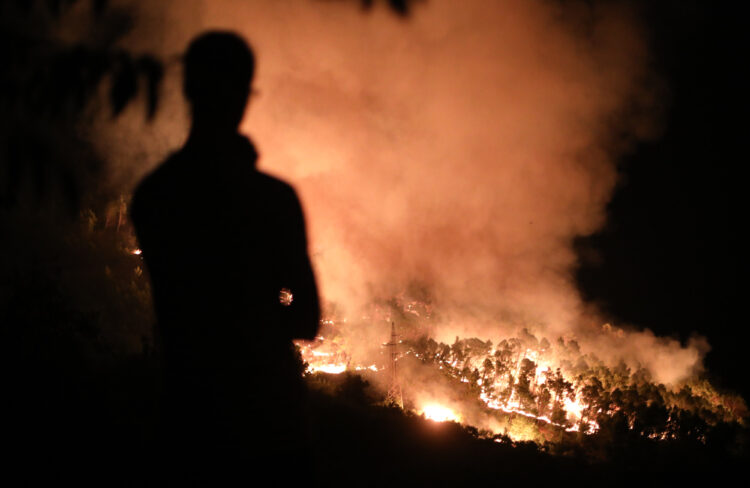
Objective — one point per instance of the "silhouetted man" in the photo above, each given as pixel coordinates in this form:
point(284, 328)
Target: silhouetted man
point(232, 283)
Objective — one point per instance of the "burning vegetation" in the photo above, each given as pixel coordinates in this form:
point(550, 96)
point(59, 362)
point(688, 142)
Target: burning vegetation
point(521, 386)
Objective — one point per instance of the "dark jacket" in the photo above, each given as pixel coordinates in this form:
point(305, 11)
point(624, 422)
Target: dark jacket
point(221, 240)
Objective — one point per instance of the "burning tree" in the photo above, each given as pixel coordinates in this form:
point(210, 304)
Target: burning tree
point(531, 388)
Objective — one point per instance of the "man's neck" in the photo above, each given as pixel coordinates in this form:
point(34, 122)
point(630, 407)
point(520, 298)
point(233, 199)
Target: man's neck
point(211, 131)
point(221, 141)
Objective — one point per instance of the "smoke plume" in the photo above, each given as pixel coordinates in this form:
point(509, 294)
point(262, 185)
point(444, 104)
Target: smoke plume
point(459, 151)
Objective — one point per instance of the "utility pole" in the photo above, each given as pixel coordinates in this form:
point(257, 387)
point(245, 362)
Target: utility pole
point(394, 396)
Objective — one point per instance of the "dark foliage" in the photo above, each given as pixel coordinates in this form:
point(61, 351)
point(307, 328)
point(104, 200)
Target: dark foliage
point(79, 372)
point(47, 83)
point(399, 7)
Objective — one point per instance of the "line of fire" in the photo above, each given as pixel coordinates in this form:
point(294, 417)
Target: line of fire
point(523, 387)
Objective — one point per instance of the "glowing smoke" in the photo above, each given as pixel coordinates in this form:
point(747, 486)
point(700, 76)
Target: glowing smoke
point(463, 149)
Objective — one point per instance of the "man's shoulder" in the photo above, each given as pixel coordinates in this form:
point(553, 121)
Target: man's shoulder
point(275, 183)
point(158, 180)
point(276, 188)
point(164, 171)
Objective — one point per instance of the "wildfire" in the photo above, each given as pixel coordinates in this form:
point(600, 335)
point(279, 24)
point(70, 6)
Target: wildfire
point(328, 368)
point(320, 356)
point(439, 413)
point(529, 389)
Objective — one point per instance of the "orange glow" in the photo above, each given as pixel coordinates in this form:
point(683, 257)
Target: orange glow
point(329, 368)
point(322, 356)
point(439, 413)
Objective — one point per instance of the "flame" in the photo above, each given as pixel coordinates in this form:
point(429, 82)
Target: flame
point(439, 413)
point(323, 356)
point(514, 387)
point(371, 367)
point(574, 407)
point(328, 368)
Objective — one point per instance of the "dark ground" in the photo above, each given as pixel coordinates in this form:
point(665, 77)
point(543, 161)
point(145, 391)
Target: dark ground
point(107, 437)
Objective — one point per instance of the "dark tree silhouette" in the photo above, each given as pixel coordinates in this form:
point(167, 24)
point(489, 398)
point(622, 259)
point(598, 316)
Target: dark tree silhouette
point(75, 314)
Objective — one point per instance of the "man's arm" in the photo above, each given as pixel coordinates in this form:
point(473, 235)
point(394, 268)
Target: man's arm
point(301, 310)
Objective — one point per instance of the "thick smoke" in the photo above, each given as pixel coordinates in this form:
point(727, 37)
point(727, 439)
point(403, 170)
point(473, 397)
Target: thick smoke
point(459, 151)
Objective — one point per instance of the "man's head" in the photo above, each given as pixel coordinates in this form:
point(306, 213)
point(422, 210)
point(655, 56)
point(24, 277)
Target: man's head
point(219, 68)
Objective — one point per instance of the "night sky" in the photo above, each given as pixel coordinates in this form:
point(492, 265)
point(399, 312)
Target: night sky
point(673, 256)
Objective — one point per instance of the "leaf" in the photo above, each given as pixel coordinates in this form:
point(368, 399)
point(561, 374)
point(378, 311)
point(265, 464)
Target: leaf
point(124, 84)
point(153, 71)
point(401, 7)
